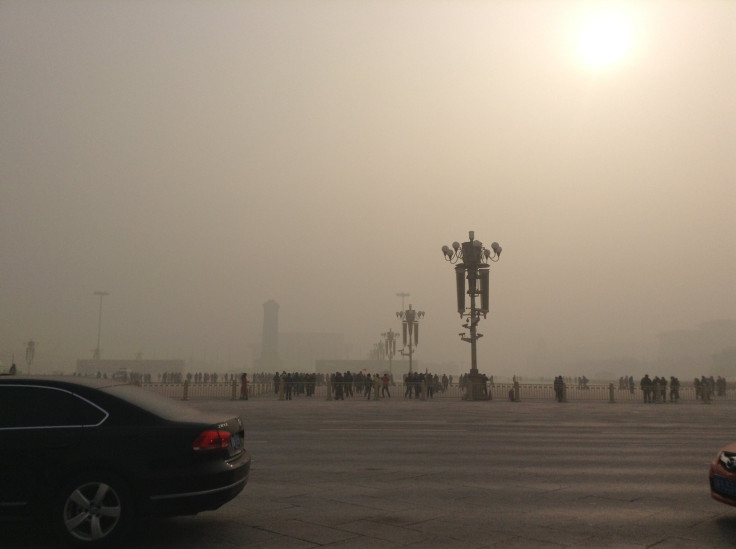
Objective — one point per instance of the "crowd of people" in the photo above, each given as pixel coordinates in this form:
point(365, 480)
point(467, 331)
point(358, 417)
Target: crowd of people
point(655, 390)
point(360, 385)
point(425, 385)
point(294, 384)
point(707, 387)
point(288, 385)
point(167, 377)
point(205, 377)
point(415, 385)
point(626, 383)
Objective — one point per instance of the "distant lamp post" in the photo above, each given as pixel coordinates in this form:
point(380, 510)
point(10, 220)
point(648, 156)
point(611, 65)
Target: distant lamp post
point(389, 348)
point(410, 326)
point(96, 355)
point(402, 295)
point(472, 262)
point(377, 352)
point(30, 353)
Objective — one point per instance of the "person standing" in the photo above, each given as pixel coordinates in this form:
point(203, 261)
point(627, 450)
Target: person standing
point(486, 395)
point(348, 381)
point(244, 386)
point(663, 389)
point(385, 380)
point(655, 389)
point(339, 386)
point(705, 390)
point(646, 388)
point(559, 388)
point(674, 389)
point(282, 386)
point(289, 385)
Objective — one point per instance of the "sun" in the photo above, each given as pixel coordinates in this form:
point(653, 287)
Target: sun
point(605, 39)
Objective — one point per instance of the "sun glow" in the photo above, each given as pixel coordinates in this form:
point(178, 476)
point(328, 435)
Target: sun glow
point(605, 39)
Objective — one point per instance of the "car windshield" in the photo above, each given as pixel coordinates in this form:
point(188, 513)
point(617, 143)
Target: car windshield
point(158, 405)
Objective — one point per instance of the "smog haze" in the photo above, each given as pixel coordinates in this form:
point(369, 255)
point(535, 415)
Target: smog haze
point(196, 159)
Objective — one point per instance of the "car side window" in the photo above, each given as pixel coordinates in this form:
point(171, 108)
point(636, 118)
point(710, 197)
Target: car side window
point(35, 406)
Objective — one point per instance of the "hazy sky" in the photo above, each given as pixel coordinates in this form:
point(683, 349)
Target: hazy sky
point(197, 158)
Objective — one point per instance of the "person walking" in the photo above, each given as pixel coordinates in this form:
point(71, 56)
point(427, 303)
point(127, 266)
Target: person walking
point(408, 384)
point(385, 380)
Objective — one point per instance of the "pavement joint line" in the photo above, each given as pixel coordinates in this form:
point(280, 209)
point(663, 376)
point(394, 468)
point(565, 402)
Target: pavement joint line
point(404, 430)
point(410, 421)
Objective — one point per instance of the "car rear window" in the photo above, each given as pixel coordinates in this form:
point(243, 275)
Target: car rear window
point(158, 405)
point(23, 406)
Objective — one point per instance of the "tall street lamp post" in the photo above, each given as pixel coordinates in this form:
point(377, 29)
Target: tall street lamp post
point(377, 352)
point(96, 355)
point(410, 326)
point(389, 346)
point(472, 262)
point(30, 353)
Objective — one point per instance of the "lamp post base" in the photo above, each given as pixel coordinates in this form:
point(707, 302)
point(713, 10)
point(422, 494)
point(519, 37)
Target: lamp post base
point(476, 387)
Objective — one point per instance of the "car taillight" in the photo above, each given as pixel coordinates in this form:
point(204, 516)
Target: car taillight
point(211, 440)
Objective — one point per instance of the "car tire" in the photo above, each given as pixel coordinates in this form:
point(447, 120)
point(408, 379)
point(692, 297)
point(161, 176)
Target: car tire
point(92, 510)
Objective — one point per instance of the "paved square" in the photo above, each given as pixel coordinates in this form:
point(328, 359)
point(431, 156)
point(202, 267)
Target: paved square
point(449, 473)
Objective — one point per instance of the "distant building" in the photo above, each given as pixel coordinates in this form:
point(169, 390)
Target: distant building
point(295, 352)
point(268, 359)
point(298, 351)
point(704, 349)
point(144, 367)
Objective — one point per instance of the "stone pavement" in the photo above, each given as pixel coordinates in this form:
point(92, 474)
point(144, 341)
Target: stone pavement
point(450, 473)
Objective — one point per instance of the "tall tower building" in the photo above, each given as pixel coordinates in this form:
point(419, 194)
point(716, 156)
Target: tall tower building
point(269, 360)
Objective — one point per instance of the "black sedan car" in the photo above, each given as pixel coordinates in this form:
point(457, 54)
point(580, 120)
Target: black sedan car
point(86, 456)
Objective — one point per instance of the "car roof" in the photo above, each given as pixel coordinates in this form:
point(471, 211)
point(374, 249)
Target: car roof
point(122, 391)
point(65, 382)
